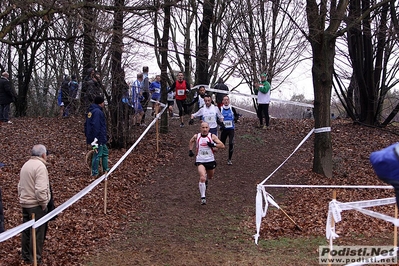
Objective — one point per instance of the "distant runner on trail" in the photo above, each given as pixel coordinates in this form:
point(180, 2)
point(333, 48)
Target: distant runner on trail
point(205, 160)
point(181, 88)
point(209, 113)
point(230, 117)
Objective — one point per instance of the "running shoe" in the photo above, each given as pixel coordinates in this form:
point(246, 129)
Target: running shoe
point(182, 125)
point(229, 162)
point(203, 201)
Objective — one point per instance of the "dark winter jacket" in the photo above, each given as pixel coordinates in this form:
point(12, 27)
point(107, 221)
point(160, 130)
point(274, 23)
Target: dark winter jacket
point(219, 96)
point(65, 91)
point(96, 125)
point(7, 94)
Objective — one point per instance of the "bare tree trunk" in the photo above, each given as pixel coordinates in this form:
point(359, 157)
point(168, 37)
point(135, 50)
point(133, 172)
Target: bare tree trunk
point(119, 140)
point(323, 41)
point(322, 72)
point(88, 48)
point(202, 75)
point(164, 65)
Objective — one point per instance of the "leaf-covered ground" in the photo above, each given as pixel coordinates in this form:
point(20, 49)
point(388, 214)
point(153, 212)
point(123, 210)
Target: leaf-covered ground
point(153, 208)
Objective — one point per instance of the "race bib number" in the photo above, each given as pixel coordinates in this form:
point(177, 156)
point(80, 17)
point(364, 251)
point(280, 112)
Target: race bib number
point(210, 119)
point(205, 153)
point(157, 90)
point(170, 97)
point(180, 92)
point(228, 123)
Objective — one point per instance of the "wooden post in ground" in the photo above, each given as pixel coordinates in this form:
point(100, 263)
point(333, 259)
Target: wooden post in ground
point(33, 238)
point(105, 193)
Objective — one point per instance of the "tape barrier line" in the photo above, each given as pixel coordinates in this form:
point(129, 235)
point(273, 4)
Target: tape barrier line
point(328, 186)
point(34, 224)
point(335, 208)
point(253, 96)
point(322, 129)
point(69, 202)
point(252, 112)
point(299, 145)
point(137, 142)
point(15, 231)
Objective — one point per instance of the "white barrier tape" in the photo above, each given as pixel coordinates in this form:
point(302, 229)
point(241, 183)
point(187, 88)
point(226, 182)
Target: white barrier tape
point(259, 211)
point(137, 141)
point(322, 130)
point(299, 145)
point(160, 103)
point(328, 186)
point(334, 212)
point(262, 196)
point(256, 96)
point(335, 208)
point(252, 112)
point(375, 259)
point(378, 215)
point(261, 187)
point(69, 202)
point(270, 199)
point(366, 203)
point(15, 231)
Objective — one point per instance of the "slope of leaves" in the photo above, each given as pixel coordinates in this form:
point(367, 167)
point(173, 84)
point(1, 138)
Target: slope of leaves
point(83, 228)
point(352, 145)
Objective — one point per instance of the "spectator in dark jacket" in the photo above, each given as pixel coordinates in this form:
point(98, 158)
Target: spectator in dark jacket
point(91, 88)
point(96, 134)
point(65, 95)
point(7, 96)
point(219, 96)
point(1, 210)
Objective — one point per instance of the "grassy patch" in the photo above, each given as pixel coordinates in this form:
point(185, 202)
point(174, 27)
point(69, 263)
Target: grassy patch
point(252, 138)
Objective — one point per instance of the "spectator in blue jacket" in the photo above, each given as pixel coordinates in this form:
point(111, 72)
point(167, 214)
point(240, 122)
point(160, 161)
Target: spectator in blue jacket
point(96, 134)
point(155, 89)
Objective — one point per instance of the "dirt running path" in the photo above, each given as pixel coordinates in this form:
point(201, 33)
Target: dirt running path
point(174, 229)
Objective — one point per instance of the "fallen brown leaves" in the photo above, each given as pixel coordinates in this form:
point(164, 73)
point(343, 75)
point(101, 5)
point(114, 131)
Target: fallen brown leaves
point(308, 207)
point(83, 228)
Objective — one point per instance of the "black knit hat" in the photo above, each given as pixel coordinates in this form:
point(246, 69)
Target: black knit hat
point(98, 100)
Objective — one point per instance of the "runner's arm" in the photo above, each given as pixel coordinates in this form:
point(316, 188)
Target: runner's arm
point(219, 143)
point(192, 142)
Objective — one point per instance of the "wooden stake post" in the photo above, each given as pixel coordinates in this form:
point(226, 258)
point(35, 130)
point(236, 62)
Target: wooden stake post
point(105, 193)
point(33, 238)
